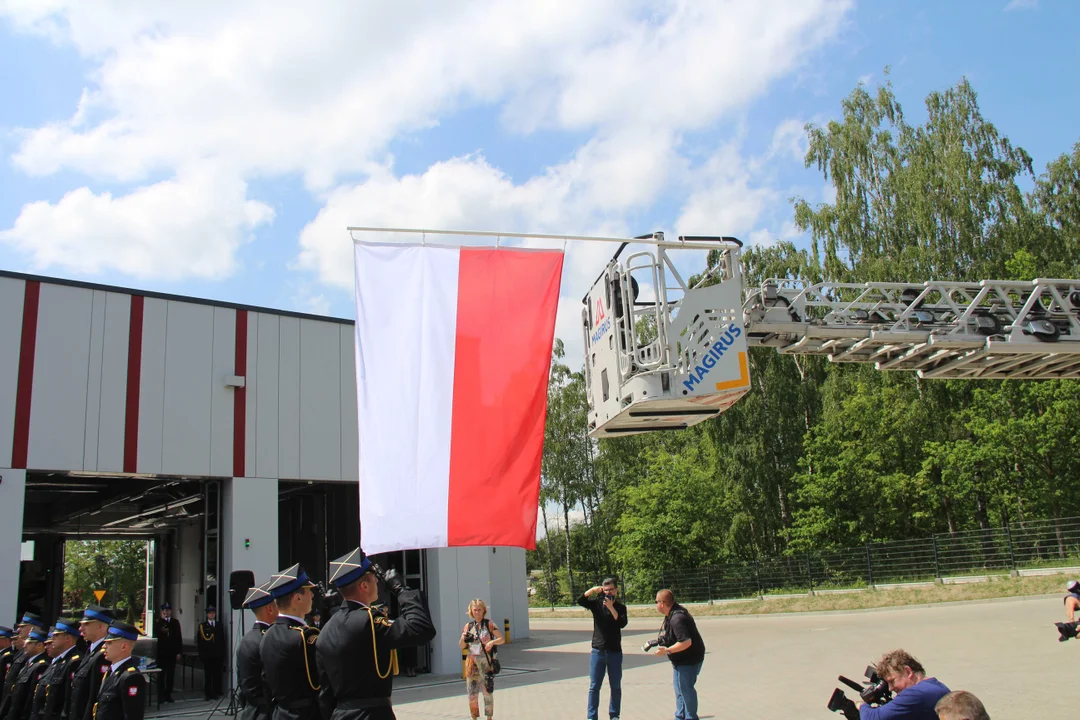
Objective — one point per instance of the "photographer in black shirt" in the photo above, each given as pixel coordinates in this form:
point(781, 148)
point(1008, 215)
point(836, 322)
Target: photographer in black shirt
point(682, 643)
point(609, 618)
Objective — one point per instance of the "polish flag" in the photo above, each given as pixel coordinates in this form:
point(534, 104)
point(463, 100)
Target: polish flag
point(453, 349)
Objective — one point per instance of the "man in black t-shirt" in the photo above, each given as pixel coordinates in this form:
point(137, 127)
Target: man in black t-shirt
point(681, 642)
point(609, 618)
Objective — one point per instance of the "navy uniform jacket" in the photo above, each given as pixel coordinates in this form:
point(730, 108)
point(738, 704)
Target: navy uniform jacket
point(210, 641)
point(122, 694)
point(54, 686)
point(170, 642)
point(20, 694)
point(85, 684)
point(18, 659)
point(354, 662)
point(249, 675)
point(290, 668)
point(7, 657)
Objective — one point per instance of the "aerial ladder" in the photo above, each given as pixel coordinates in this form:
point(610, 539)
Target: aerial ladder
point(664, 355)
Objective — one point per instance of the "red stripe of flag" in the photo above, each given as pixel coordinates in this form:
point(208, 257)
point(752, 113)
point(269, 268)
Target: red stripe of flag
point(24, 392)
point(134, 384)
point(240, 397)
point(507, 300)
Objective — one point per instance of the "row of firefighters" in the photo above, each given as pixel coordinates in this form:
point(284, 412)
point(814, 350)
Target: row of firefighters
point(286, 670)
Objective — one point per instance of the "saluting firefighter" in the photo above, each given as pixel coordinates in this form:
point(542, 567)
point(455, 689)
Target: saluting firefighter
point(254, 692)
point(20, 697)
point(94, 625)
point(170, 644)
point(30, 621)
point(288, 649)
point(53, 687)
point(356, 648)
point(7, 655)
point(210, 640)
point(121, 693)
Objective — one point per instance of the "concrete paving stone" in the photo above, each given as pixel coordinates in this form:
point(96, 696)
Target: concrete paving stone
point(776, 667)
point(779, 667)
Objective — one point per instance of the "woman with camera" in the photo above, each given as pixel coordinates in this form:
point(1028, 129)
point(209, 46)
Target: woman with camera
point(479, 638)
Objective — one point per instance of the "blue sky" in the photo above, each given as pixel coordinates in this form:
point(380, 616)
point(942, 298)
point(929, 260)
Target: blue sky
point(219, 152)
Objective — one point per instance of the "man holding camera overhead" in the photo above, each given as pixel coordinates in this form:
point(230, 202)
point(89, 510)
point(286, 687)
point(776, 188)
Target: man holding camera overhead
point(609, 618)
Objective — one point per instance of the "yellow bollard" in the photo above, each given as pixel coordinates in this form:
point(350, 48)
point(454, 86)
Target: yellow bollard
point(464, 655)
point(506, 629)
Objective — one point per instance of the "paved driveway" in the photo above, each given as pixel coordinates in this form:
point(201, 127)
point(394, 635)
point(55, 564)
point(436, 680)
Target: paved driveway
point(784, 666)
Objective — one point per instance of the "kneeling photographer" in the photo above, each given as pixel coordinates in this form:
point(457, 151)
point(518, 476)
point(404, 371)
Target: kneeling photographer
point(915, 695)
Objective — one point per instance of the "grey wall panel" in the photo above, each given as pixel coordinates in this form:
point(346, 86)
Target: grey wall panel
point(189, 351)
point(221, 398)
point(320, 401)
point(112, 407)
point(289, 399)
point(11, 308)
point(350, 461)
point(251, 389)
point(152, 384)
point(265, 373)
point(61, 364)
point(93, 380)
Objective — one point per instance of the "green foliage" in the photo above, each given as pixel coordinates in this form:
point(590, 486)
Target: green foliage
point(108, 565)
point(820, 455)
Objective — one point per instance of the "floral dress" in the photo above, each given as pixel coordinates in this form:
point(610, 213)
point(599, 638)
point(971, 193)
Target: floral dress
point(478, 677)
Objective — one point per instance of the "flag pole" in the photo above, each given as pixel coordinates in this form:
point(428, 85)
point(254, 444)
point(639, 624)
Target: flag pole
point(695, 242)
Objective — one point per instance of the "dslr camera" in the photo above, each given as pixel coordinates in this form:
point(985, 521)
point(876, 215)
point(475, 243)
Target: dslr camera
point(874, 691)
point(471, 637)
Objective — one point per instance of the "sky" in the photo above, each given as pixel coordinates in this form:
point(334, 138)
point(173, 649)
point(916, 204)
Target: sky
point(220, 149)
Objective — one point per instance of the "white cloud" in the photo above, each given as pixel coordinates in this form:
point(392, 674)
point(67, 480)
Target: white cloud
point(271, 88)
point(192, 225)
point(729, 201)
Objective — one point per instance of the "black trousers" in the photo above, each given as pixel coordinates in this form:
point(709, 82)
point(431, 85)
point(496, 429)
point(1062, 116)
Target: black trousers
point(168, 675)
point(212, 672)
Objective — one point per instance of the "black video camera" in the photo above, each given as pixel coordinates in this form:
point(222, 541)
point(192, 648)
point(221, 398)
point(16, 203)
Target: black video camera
point(875, 692)
point(649, 645)
point(1067, 630)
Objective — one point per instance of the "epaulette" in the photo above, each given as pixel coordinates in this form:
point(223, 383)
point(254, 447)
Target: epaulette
point(41, 662)
point(74, 658)
point(131, 669)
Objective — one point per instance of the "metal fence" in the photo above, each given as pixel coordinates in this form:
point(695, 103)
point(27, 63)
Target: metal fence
point(1028, 545)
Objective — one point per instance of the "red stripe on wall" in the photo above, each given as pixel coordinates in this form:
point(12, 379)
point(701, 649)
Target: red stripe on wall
point(240, 398)
point(134, 385)
point(507, 301)
point(25, 388)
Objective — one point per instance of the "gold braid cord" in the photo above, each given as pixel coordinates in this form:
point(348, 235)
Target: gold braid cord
point(307, 664)
point(203, 634)
point(375, 650)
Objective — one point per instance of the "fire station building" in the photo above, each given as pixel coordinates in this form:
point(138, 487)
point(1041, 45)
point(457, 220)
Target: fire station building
point(225, 435)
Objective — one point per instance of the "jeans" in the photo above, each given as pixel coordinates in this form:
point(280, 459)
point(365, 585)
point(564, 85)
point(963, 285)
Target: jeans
point(685, 692)
point(610, 662)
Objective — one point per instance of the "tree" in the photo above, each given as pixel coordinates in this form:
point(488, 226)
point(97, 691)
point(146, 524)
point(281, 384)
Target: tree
point(116, 566)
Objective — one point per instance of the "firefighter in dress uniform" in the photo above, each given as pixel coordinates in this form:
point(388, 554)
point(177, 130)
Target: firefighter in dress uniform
point(50, 698)
point(121, 696)
point(7, 655)
point(288, 649)
point(30, 621)
point(254, 693)
point(210, 640)
point(357, 647)
point(86, 681)
point(170, 644)
point(17, 704)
